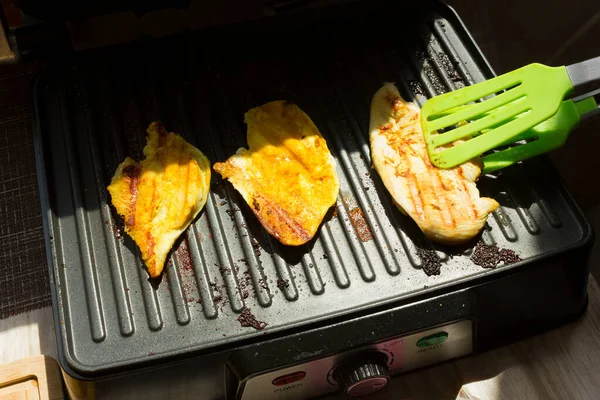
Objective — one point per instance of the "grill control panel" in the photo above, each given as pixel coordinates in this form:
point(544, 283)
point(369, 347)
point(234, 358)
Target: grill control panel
point(365, 370)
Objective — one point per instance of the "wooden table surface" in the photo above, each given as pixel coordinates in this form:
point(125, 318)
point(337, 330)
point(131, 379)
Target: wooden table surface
point(560, 364)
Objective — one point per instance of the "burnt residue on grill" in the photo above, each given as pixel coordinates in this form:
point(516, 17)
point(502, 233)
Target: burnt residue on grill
point(360, 224)
point(183, 258)
point(509, 256)
point(186, 271)
point(448, 66)
point(283, 283)
point(217, 293)
point(489, 256)
point(416, 88)
point(255, 245)
point(263, 283)
point(230, 212)
point(117, 227)
point(223, 269)
point(245, 284)
point(432, 265)
point(248, 320)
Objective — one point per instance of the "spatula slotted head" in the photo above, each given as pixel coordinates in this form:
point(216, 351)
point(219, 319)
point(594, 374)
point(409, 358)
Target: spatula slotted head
point(525, 97)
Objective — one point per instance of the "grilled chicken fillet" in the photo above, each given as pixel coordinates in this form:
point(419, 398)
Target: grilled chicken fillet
point(159, 197)
point(444, 203)
point(287, 176)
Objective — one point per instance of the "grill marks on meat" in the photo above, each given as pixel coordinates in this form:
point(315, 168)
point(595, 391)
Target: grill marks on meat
point(160, 196)
point(277, 220)
point(445, 203)
point(132, 172)
point(287, 176)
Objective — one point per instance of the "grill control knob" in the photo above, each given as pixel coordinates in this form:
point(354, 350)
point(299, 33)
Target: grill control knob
point(363, 375)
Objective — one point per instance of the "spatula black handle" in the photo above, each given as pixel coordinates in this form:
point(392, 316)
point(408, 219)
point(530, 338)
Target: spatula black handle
point(585, 75)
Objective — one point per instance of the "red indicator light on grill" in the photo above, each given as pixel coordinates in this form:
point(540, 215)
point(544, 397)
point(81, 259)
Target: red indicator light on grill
point(289, 378)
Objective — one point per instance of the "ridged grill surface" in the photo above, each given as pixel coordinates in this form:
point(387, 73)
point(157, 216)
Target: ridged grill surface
point(366, 254)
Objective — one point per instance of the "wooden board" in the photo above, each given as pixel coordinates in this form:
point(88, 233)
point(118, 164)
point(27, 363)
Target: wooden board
point(27, 390)
point(32, 378)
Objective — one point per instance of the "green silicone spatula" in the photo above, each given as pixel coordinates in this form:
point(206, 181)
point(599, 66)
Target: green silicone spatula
point(471, 121)
point(542, 138)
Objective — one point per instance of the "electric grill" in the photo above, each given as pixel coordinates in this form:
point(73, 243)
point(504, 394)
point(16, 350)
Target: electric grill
point(369, 298)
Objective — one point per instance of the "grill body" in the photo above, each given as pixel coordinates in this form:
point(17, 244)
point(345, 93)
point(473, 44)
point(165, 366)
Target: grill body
point(325, 300)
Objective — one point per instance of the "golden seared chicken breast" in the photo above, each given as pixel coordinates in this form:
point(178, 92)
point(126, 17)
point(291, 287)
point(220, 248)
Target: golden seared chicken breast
point(287, 176)
point(159, 197)
point(444, 203)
